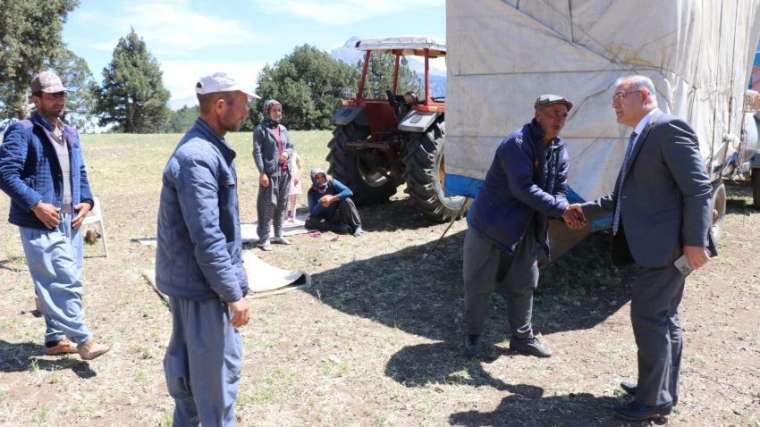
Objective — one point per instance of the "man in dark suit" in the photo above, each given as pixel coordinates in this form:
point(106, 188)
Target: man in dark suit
point(661, 211)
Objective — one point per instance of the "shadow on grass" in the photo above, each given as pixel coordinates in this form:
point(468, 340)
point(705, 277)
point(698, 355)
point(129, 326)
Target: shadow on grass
point(398, 214)
point(21, 357)
point(739, 199)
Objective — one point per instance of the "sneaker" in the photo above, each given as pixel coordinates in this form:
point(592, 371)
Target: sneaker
point(529, 347)
point(281, 241)
point(472, 346)
point(358, 232)
point(89, 350)
point(63, 346)
point(265, 245)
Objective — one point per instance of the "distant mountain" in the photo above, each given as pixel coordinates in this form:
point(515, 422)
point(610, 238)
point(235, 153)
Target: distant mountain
point(351, 56)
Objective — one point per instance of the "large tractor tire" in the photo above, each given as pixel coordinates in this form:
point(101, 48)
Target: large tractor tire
point(756, 187)
point(425, 174)
point(362, 173)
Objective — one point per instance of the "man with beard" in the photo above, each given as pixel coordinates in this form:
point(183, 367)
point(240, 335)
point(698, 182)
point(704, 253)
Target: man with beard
point(42, 170)
point(198, 260)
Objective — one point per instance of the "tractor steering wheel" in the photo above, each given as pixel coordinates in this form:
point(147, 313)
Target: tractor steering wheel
point(396, 102)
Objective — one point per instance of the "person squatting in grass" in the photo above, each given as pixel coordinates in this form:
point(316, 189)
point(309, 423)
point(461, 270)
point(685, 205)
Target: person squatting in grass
point(199, 261)
point(508, 225)
point(271, 153)
point(42, 170)
point(331, 207)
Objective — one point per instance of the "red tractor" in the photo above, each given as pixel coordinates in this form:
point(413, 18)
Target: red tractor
point(378, 144)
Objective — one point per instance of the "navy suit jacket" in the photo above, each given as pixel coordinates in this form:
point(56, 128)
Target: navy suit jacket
point(666, 194)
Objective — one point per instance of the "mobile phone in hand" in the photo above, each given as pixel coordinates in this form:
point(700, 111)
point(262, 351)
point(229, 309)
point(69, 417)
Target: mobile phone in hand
point(682, 264)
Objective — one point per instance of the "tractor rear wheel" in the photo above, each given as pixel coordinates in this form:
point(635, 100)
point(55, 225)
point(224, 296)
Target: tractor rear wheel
point(363, 173)
point(425, 174)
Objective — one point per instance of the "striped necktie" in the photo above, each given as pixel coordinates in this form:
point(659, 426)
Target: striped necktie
point(623, 173)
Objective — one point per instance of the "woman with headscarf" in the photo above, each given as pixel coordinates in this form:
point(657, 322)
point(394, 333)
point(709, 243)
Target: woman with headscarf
point(271, 151)
point(331, 207)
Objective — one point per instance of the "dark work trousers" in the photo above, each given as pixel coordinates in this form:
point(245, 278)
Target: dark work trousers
point(487, 268)
point(655, 295)
point(271, 205)
point(202, 363)
point(346, 219)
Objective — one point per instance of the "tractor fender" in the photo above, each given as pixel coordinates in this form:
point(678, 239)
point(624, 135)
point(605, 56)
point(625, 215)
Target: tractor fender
point(418, 121)
point(346, 115)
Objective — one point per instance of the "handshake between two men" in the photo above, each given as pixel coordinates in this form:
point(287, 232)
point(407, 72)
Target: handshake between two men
point(574, 218)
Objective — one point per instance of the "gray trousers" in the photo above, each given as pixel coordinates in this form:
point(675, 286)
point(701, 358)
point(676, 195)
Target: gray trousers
point(271, 204)
point(655, 296)
point(202, 363)
point(487, 268)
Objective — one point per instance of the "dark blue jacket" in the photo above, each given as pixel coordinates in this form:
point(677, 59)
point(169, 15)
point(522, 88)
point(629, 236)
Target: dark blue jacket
point(199, 254)
point(521, 183)
point(334, 187)
point(30, 172)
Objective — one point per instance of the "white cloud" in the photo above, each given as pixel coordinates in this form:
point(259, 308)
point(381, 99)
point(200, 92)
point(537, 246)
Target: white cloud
point(337, 12)
point(170, 27)
point(180, 76)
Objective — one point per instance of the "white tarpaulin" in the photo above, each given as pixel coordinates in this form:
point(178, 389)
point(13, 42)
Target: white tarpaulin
point(503, 54)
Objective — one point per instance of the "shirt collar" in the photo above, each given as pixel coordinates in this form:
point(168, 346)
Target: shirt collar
point(645, 121)
point(211, 136)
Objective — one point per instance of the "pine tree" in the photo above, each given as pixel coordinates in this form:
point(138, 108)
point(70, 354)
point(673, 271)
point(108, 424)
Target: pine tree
point(30, 34)
point(132, 95)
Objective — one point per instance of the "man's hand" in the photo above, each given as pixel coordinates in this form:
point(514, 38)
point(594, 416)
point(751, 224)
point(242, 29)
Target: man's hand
point(264, 180)
point(82, 209)
point(284, 157)
point(240, 312)
point(696, 255)
point(48, 214)
point(573, 217)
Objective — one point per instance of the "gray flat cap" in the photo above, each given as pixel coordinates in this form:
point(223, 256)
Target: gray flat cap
point(548, 99)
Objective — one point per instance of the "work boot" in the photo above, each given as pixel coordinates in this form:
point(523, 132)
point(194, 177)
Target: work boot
point(64, 346)
point(529, 347)
point(265, 245)
point(281, 241)
point(89, 349)
point(359, 231)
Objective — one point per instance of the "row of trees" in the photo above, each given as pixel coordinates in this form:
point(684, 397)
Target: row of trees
point(132, 98)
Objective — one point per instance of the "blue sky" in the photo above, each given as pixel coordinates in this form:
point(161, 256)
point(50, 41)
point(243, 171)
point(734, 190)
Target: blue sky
point(191, 38)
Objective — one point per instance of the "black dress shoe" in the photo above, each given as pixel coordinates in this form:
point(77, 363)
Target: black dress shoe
point(472, 346)
point(530, 347)
point(630, 388)
point(636, 411)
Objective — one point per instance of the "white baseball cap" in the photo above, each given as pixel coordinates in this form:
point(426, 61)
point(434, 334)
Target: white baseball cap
point(221, 82)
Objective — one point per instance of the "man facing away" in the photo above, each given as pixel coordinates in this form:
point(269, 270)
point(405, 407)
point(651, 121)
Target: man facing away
point(199, 262)
point(507, 235)
point(661, 210)
point(42, 170)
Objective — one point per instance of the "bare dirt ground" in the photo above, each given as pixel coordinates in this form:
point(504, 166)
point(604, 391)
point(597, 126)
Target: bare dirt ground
point(376, 340)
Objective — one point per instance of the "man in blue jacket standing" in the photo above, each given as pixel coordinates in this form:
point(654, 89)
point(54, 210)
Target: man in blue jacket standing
point(199, 260)
point(43, 172)
point(507, 235)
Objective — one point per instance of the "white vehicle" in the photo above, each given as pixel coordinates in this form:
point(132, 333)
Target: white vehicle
point(502, 54)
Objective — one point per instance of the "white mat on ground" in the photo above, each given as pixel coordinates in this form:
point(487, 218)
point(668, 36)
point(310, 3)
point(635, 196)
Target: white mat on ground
point(263, 279)
point(250, 235)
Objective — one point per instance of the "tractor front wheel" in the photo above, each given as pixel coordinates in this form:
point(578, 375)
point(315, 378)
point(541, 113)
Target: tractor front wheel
point(425, 174)
point(362, 172)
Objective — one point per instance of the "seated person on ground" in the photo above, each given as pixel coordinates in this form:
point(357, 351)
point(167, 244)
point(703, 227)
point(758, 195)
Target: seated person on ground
point(331, 207)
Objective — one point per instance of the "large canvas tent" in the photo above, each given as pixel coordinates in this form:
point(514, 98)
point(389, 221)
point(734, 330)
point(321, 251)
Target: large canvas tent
point(502, 54)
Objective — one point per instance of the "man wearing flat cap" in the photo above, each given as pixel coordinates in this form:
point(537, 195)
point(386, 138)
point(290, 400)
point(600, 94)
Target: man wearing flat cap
point(199, 260)
point(42, 170)
point(508, 228)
